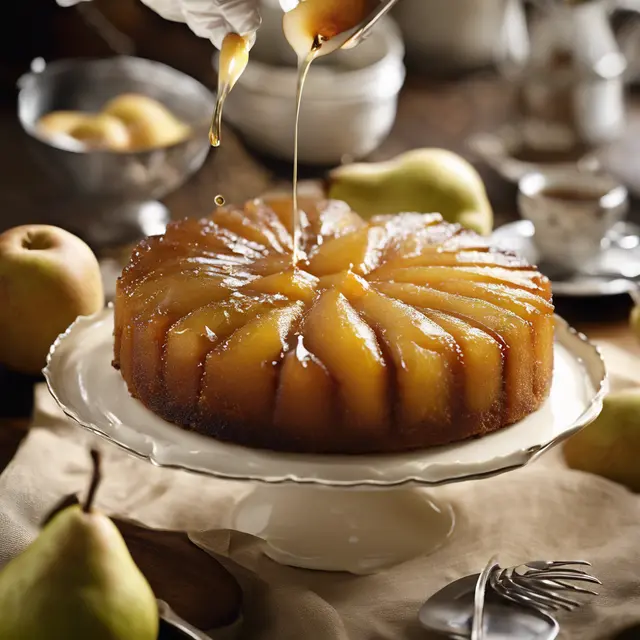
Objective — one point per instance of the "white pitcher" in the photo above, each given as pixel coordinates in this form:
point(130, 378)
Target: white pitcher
point(461, 34)
point(575, 72)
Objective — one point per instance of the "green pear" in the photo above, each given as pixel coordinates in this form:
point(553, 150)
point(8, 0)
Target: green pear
point(634, 320)
point(610, 445)
point(77, 581)
point(423, 181)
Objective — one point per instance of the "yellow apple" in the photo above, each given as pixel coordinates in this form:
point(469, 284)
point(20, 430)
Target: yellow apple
point(150, 123)
point(102, 131)
point(61, 122)
point(48, 277)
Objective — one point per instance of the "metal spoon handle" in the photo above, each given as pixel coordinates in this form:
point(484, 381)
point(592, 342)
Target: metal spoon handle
point(477, 626)
point(170, 616)
point(363, 31)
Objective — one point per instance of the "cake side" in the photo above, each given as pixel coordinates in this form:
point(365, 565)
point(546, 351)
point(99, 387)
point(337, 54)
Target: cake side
point(397, 334)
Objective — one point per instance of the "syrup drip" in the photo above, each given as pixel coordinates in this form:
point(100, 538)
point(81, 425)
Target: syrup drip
point(308, 28)
point(304, 64)
point(234, 56)
point(219, 200)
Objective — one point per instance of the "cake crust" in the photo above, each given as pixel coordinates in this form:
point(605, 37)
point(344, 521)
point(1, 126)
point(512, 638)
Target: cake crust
point(396, 334)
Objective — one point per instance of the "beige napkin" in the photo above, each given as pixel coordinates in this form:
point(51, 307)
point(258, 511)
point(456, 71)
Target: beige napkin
point(543, 511)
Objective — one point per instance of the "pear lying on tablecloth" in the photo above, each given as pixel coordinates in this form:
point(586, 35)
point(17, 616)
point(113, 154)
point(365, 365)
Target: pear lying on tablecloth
point(77, 581)
point(610, 445)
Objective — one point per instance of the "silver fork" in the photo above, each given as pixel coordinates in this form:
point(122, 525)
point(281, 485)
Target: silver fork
point(460, 609)
point(539, 584)
point(477, 625)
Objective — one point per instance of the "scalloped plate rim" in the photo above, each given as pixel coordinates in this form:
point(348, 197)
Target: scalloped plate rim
point(513, 460)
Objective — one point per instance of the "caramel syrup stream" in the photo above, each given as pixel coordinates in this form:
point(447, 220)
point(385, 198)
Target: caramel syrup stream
point(304, 64)
point(234, 56)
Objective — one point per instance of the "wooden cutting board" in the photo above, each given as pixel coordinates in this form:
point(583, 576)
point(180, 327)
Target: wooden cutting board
point(194, 584)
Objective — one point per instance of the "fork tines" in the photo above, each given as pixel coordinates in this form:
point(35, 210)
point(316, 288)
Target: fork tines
point(539, 584)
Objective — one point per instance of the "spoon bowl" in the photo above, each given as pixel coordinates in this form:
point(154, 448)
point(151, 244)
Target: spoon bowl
point(450, 612)
point(353, 37)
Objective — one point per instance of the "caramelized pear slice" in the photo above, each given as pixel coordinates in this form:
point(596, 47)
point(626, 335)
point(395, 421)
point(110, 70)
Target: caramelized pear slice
point(431, 276)
point(190, 339)
point(306, 400)
point(513, 330)
point(531, 308)
point(334, 218)
point(241, 374)
point(266, 217)
point(426, 358)
point(282, 205)
point(292, 284)
point(164, 295)
point(359, 252)
point(435, 257)
point(348, 348)
point(149, 328)
point(346, 282)
point(411, 234)
point(240, 224)
point(483, 362)
point(169, 258)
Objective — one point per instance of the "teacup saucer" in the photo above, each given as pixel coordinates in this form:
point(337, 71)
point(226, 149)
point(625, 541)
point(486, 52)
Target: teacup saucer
point(501, 150)
point(599, 277)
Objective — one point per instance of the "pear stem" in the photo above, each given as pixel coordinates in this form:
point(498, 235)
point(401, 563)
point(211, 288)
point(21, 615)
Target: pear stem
point(96, 478)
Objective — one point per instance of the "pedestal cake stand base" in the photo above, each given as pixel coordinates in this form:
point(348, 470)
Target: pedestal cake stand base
point(351, 530)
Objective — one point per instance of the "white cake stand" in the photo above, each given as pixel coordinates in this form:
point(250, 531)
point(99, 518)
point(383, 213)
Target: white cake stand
point(340, 513)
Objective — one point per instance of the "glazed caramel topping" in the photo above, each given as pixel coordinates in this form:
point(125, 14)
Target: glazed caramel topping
point(384, 328)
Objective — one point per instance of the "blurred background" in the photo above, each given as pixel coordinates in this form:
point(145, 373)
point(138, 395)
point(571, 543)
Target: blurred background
point(512, 86)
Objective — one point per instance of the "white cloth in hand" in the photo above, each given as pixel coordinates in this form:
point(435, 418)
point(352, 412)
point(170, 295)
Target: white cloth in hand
point(211, 19)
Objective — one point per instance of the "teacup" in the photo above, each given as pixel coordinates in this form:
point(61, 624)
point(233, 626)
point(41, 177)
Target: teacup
point(572, 213)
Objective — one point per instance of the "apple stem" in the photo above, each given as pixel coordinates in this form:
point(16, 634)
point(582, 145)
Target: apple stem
point(96, 478)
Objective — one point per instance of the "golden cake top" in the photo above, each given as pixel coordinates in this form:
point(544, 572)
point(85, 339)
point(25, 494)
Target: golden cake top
point(256, 241)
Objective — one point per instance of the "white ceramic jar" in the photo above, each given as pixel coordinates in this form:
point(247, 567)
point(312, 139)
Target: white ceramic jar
point(349, 103)
point(456, 35)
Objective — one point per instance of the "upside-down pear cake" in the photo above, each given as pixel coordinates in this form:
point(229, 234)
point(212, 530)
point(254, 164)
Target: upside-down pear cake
point(398, 333)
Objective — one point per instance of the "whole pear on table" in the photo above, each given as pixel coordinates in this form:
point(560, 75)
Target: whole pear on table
point(77, 581)
point(48, 277)
point(423, 180)
point(610, 445)
point(634, 319)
